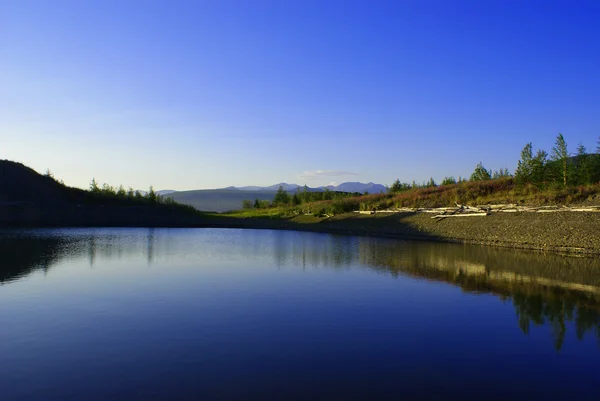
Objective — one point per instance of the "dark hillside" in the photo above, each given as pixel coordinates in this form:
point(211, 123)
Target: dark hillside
point(19, 183)
point(31, 199)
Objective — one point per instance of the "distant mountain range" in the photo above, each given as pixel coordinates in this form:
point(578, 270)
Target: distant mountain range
point(231, 198)
point(344, 187)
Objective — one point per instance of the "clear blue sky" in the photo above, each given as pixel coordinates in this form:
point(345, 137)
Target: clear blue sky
point(205, 94)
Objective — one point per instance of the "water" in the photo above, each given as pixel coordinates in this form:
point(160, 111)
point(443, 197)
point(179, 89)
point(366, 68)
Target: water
point(170, 314)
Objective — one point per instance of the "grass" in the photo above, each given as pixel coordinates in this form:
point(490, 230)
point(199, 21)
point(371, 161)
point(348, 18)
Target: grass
point(503, 190)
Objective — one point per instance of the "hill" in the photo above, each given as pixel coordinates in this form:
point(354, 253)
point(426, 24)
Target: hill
point(343, 187)
point(219, 200)
point(370, 187)
point(28, 198)
point(231, 198)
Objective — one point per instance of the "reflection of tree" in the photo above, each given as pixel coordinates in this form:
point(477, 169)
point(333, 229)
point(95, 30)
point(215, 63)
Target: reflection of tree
point(556, 311)
point(546, 290)
point(92, 250)
point(549, 290)
point(150, 246)
point(23, 253)
point(20, 257)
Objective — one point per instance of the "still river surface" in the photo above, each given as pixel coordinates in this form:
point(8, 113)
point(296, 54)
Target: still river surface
point(224, 314)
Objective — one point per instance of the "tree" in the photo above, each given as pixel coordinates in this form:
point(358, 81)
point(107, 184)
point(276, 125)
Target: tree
point(281, 197)
point(448, 181)
point(296, 199)
point(560, 155)
point(256, 204)
point(524, 166)
point(431, 182)
point(583, 169)
point(121, 192)
point(502, 173)
point(108, 190)
point(94, 186)
point(247, 204)
point(480, 173)
point(539, 167)
point(398, 186)
point(152, 197)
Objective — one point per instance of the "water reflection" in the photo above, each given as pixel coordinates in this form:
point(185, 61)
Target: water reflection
point(545, 289)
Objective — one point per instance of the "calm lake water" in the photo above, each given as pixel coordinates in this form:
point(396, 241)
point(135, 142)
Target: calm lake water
point(170, 314)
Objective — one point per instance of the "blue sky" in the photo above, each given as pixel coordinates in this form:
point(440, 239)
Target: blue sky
point(206, 94)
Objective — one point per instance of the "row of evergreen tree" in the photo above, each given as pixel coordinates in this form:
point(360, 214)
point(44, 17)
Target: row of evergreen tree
point(120, 193)
point(301, 196)
point(560, 168)
point(479, 174)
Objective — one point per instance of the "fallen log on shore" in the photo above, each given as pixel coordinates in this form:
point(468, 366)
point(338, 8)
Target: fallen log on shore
point(488, 209)
point(442, 216)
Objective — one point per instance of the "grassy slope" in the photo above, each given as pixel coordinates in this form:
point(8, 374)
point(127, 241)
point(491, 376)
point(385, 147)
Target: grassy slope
point(466, 193)
point(571, 232)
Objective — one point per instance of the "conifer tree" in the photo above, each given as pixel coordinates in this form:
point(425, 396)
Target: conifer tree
point(539, 167)
point(523, 173)
point(480, 173)
point(94, 186)
point(281, 197)
point(560, 155)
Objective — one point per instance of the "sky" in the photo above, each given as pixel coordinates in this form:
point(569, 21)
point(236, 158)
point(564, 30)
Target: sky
point(207, 94)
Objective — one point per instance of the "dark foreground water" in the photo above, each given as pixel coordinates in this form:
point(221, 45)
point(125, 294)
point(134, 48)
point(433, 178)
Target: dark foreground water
point(203, 314)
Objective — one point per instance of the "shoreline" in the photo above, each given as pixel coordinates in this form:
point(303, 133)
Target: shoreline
point(576, 234)
point(565, 233)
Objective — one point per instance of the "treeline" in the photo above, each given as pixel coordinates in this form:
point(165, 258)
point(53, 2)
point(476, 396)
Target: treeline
point(558, 177)
point(560, 168)
point(108, 192)
point(479, 174)
point(301, 196)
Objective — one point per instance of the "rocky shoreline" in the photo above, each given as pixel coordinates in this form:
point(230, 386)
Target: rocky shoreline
point(565, 232)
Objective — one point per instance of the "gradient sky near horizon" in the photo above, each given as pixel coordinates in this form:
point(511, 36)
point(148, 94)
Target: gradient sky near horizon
point(207, 94)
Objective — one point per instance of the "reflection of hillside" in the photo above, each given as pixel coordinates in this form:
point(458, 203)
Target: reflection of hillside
point(545, 289)
point(24, 252)
point(22, 257)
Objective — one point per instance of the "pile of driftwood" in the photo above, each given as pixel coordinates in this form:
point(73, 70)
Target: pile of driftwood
point(485, 210)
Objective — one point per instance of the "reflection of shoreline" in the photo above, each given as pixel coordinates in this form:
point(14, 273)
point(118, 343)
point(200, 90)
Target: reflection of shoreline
point(544, 288)
point(25, 252)
point(513, 268)
point(21, 257)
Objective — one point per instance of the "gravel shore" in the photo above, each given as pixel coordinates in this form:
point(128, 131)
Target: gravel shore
point(571, 232)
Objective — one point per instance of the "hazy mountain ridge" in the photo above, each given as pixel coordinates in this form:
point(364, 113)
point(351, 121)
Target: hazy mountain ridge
point(231, 198)
point(343, 187)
